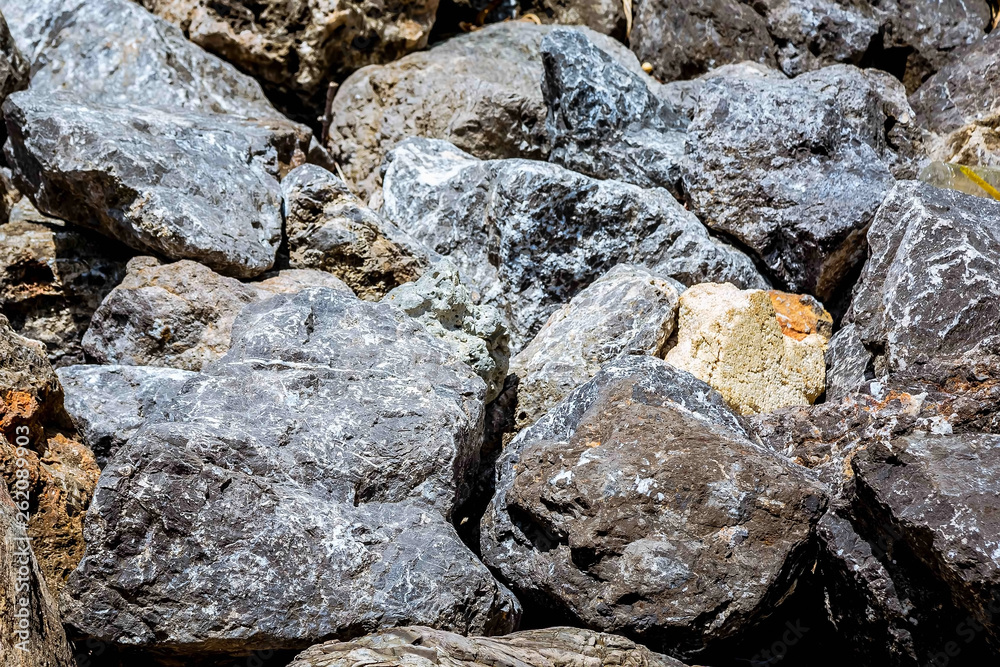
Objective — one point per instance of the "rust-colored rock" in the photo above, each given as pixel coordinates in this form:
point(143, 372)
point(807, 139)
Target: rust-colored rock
point(801, 315)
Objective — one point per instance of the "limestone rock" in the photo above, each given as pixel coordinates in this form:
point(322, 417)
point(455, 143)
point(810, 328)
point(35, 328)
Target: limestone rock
point(733, 341)
point(331, 230)
point(530, 235)
point(445, 307)
point(343, 435)
point(423, 647)
point(628, 310)
point(848, 363)
point(182, 184)
point(179, 315)
point(290, 281)
point(682, 546)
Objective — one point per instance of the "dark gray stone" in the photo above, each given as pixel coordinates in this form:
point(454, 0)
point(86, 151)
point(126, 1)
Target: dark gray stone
point(13, 66)
point(848, 363)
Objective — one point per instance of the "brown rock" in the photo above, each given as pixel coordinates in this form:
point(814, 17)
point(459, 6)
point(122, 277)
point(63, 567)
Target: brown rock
point(801, 315)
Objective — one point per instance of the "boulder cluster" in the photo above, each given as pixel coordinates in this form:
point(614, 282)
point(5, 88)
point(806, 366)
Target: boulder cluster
point(499, 334)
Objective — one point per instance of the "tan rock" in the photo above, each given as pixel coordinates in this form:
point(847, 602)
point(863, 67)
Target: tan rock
point(732, 340)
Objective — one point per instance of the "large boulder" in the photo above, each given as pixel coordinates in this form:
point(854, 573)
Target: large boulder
point(343, 435)
point(530, 235)
point(638, 505)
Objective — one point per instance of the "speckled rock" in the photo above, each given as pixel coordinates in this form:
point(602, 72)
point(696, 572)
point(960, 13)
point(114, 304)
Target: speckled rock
point(628, 310)
point(330, 229)
point(424, 647)
point(343, 435)
point(530, 235)
point(140, 175)
point(681, 546)
point(848, 363)
point(445, 307)
point(732, 340)
point(179, 315)
point(13, 66)
point(108, 404)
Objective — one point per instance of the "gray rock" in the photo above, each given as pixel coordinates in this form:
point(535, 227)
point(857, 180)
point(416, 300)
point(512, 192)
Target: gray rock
point(109, 403)
point(530, 235)
point(628, 310)
point(13, 66)
point(604, 16)
point(848, 363)
point(182, 184)
point(682, 546)
point(445, 307)
point(342, 435)
point(329, 229)
point(931, 287)
point(423, 647)
point(791, 173)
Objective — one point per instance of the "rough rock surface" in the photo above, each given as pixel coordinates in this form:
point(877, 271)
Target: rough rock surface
point(343, 435)
point(179, 315)
point(13, 66)
point(423, 647)
point(330, 229)
point(682, 545)
point(108, 404)
point(628, 310)
point(848, 363)
point(733, 341)
point(801, 315)
point(445, 307)
point(183, 184)
point(42, 641)
point(487, 217)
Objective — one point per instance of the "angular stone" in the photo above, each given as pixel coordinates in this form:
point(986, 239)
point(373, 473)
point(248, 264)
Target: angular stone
point(848, 363)
point(182, 184)
point(178, 315)
point(422, 647)
point(628, 310)
point(733, 341)
point(801, 315)
point(13, 66)
point(445, 307)
point(343, 435)
point(329, 229)
point(491, 219)
point(681, 546)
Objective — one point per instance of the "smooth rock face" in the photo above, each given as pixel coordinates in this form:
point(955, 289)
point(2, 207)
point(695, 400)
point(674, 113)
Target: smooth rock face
point(424, 647)
point(785, 169)
point(179, 315)
point(931, 288)
point(299, 46)
point(487, 217)
point(445, 307)
point(182, 184)
point(331, 230)
point(343, 435)
point(680, 545)
point(628, 310)
point(733, 341)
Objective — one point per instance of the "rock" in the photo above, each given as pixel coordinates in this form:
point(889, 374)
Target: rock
point(38, 641)
point(108, 404)
point(178, 315)
point(298, 47)
point(13, 66)
point(848, 363)
point(682, 547)
point(791, 173)
point(603, 16)
point(331, 230)
point(488, 217)
point(343, 435)
point(733, 341)
point(114, 53)
point(291, 281)
point(801, 316)
point(422, 647)
point(445, 307)
point(628, 310)
point(52, 279)
point(931, 288)
point(139, 175)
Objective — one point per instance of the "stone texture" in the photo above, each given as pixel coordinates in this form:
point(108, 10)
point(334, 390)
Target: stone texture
point(801, 315)
point(142, 176)
point(423, 647)
point(628, 310)
point(681, 546)
point(13, 66)
point(329, 229)
point(343, 435)
point(178, 315)
point(298, 46)
point(848, 363)
point(445, 307)
point(604, 16)
point(733, 340)
point(489, 218)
